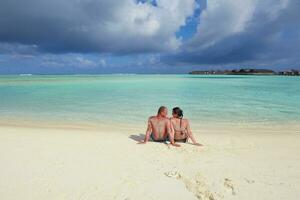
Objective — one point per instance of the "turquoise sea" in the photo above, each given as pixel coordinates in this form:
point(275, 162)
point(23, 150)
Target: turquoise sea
point(130, 99)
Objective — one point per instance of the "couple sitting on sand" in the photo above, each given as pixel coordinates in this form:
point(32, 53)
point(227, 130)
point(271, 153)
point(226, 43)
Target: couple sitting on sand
point(175, 129)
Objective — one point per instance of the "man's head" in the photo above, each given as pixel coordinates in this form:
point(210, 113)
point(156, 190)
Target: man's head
point(162, 111)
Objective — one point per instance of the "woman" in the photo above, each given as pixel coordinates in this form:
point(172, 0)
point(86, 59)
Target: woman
point(180, 127)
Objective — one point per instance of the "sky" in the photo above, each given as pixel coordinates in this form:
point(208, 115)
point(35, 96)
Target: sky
point(147, 36)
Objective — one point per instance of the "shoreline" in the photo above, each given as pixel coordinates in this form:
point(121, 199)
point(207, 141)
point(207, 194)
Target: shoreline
point(141, 127)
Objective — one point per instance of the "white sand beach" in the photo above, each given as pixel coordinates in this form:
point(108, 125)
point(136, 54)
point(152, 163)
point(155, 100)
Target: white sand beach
point(40, 163)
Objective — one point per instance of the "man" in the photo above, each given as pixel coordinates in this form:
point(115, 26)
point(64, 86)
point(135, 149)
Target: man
point(159, 128)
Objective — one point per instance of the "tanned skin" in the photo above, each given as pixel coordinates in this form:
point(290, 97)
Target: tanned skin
point(183, 132)
point(160, 128)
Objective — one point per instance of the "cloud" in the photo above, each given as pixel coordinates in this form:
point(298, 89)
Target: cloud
point(102, 62)
point(147, 35)
point(103, 26)
point(71, 61)
point(261, 32)
point(13, 48)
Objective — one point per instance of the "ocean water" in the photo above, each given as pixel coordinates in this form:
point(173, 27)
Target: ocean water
point(130, 99)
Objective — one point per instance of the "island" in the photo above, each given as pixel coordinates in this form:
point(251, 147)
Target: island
point(246, 72)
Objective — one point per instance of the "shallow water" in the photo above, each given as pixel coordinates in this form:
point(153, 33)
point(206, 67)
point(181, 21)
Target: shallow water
point(105, 99)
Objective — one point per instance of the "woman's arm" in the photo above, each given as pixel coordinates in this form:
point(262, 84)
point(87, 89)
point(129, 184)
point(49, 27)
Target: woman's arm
point(171, 133)
point(172, 129)
point(190, 134)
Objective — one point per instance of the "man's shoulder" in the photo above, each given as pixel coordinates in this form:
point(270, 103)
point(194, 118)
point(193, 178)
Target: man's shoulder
point(151, 117)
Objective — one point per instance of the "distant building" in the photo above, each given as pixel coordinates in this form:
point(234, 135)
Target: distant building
point(237, 72)
point(252, 72)
point(290, 73)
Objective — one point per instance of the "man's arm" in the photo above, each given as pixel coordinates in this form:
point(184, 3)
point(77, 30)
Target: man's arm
point(170, 133)
point(148, 132)
point(190, 134)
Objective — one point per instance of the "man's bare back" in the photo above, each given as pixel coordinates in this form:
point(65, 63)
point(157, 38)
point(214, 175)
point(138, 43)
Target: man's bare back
point(160, 127)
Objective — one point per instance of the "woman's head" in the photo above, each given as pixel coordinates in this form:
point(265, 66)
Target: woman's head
point(177, 112)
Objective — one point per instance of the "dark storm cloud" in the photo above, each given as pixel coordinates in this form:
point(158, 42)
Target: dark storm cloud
point(270, 36)
point(227, 32)
point(103, 26)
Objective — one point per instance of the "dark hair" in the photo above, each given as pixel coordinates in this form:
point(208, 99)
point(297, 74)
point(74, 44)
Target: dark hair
point(162, 108)
point(178, 112)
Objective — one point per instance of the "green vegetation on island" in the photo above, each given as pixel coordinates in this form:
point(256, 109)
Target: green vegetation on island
point(246, 72)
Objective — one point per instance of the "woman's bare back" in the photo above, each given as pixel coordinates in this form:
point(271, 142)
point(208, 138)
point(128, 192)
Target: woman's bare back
point(180, 127)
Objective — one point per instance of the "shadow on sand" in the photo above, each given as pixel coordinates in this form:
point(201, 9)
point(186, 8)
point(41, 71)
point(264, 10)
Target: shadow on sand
point(139, 137)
